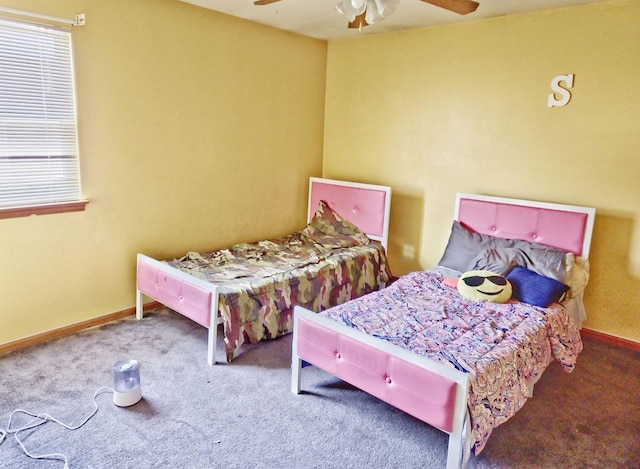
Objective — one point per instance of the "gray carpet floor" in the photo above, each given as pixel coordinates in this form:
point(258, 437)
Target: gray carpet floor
point(243, 415)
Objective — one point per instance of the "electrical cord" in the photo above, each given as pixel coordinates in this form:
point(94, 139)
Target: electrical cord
point(41, 419)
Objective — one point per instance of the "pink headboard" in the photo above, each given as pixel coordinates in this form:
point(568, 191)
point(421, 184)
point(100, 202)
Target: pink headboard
point(567, 227)
point(365, 205)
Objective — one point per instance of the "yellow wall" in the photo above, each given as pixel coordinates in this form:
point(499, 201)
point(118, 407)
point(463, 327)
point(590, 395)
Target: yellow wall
point(463, 108)
point(196, 130)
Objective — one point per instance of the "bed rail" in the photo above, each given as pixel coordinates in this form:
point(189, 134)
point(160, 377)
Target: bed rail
point(184, 293)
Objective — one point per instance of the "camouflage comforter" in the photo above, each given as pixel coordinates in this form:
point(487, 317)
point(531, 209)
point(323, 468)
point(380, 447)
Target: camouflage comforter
point(260, 283)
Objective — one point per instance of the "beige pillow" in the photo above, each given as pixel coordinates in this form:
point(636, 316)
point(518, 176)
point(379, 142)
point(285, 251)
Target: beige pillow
point(577, 274)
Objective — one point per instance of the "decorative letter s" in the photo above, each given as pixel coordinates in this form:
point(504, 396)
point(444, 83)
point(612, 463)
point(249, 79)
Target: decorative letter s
point(563, 92)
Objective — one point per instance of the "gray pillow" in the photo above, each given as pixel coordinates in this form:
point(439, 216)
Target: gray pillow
point(500, 261)
point(467, 250)
point(548, 262)
point(463, 246)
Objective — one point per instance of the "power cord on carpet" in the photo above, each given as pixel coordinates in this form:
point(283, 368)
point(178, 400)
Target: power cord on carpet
point(41, 419)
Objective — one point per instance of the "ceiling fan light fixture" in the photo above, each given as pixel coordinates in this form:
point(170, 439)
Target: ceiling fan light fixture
point(386, 7)
point(373, 10)
point(377, 10)
point(372, 15)
point(361, 13)
point(351, 8)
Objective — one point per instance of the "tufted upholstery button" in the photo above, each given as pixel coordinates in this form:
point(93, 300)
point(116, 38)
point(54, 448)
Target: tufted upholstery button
point(493, 228)
point(338, 355)
point(388, 379)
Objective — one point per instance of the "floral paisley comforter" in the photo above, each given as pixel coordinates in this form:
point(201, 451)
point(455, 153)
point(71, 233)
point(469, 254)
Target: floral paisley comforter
point(260, 283)
point(501, 346)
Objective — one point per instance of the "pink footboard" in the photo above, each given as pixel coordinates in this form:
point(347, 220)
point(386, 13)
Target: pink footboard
point(188, 295)
point(429, 391)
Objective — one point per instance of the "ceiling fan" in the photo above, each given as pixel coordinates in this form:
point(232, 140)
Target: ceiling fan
point(361, 13)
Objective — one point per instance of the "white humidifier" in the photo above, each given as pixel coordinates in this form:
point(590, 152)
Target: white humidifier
point(126, 383)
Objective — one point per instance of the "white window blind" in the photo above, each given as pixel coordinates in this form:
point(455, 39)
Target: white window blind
point(38, 137)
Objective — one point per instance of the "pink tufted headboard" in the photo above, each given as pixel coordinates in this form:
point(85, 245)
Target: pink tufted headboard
point(567, 227)
point(365, 205)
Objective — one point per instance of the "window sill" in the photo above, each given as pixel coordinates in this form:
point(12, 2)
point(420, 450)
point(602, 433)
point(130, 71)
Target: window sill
point(17, 212)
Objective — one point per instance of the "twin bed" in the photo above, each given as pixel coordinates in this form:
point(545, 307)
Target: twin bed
point(252, 288)
point(461, 365)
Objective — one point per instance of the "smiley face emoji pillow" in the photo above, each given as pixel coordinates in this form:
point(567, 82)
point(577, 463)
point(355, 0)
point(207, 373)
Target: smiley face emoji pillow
point(484, 285)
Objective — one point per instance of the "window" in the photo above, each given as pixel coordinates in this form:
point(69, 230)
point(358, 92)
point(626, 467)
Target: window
point(39, 165)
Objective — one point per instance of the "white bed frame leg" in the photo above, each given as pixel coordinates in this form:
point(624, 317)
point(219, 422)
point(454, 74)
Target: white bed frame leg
point(139, 304)
point(212, 343)
point(454, 453)
point(296, 361)
point(459, 449)
point(296, 368)
point(460, 437)
point(214, 321)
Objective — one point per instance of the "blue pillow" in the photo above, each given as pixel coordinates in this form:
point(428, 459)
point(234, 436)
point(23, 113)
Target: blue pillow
point(535, 289)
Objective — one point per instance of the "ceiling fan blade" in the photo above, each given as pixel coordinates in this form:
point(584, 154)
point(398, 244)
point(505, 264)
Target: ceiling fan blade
point(462, 7)
point(264, 2)
point(359, 22)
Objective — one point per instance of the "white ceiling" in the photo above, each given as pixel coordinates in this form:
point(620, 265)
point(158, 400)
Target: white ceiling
point(319, 18)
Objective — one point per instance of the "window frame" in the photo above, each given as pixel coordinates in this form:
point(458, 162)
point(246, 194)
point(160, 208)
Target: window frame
point(63, 205)
point(44, 209)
